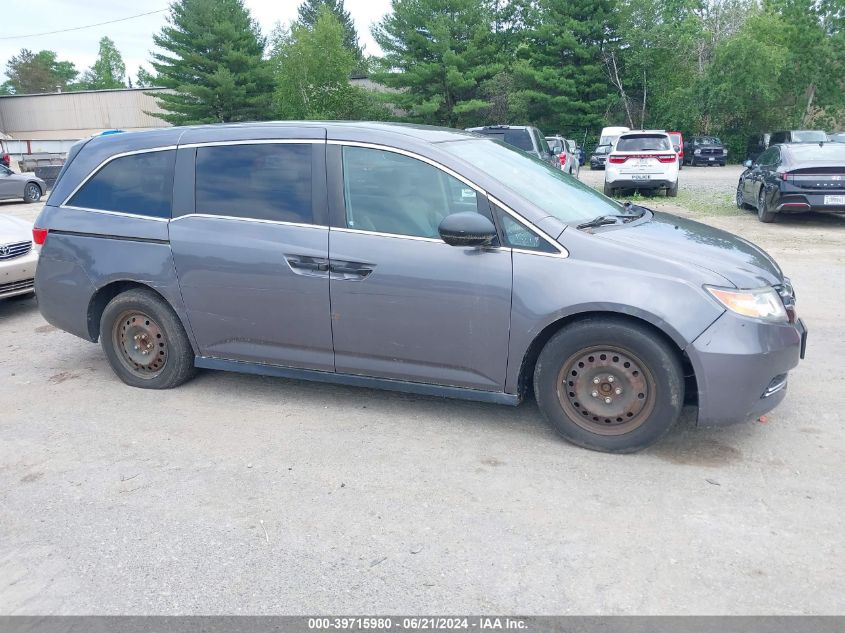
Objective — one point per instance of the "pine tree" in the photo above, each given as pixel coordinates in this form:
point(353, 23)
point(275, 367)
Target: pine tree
point(309, 12)
point(30, 73)
point(213, 62)
point(437, 53)
point(561, 76)
point(108, 71)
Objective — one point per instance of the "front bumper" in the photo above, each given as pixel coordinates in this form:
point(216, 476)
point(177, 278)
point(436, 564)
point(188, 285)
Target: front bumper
point(17, 276)
point(709, 160)
point(741, 367)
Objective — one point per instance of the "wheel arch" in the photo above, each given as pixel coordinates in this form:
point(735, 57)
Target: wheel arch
point(672, 338)
point(100, 299)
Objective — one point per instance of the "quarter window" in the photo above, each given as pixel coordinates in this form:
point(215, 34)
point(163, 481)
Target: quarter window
point(387, 192)
point(517, 235)
point(141, 184)
point(269, 181)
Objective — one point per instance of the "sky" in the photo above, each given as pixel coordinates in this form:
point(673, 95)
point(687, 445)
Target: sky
point(134, 38)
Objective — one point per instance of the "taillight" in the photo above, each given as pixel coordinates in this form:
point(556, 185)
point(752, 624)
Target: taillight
point(39, 236)
point(667, 158)
point(562, 159)
point(785, 175)
point(616, 160)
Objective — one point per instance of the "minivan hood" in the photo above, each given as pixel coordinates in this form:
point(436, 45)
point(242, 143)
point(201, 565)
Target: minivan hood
point(738, 261)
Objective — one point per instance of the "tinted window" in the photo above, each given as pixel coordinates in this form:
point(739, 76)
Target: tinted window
point(643, 143)
point(778, 137)
point(391, 193)
point(536, 181)
point(541, 143)
point(138, 183)
point(270, 181)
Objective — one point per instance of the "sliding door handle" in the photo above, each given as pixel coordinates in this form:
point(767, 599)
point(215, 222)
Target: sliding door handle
point(307, 265)
point(350, 271)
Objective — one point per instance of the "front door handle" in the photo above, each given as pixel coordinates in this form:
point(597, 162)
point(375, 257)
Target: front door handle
point(349, 271)
point(307, 265)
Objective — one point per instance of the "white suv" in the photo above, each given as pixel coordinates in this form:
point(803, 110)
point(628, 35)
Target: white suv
point(643, 159)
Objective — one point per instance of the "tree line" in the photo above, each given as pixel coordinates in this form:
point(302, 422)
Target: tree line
point(722, 67)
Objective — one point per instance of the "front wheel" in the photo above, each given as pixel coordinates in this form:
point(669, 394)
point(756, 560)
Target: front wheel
point(740, 197)
point(609, 385)
point(145, 342)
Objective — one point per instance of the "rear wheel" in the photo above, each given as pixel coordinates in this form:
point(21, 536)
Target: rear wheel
point(608, 190)
point(672, 192)
point(763, 213)
point(32, 192)
point(609, 385)
point(145, 342)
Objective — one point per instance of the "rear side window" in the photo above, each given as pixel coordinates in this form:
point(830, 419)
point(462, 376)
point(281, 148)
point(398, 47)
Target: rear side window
point(643, 143)
point(141, 184)
point(270, 181)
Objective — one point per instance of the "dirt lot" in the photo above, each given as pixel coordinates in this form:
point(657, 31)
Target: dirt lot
point(241, 494)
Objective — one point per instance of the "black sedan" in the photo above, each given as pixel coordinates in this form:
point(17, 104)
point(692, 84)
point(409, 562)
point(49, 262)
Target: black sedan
point(794, 178)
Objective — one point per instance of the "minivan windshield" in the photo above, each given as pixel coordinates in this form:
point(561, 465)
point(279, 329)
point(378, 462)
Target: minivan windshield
point(808, 136)
point(559, 194)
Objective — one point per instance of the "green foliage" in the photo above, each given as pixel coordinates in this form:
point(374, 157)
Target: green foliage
point(30, 73)
point(437, 53)
point(145, 79)
point(309, 12)
point(560, 73)
point(213, 62)
point(108, 71)
point(311, 68)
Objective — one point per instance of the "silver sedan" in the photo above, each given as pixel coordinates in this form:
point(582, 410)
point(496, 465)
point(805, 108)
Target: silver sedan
point(25, 186)
point(18, 257)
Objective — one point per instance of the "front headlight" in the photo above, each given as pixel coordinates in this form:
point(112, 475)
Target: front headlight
point(759, 303)
point(697, 152)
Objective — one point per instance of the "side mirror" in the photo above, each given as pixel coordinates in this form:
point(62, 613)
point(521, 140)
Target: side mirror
point(467, 228)
point(677, 148)
point(748, 164)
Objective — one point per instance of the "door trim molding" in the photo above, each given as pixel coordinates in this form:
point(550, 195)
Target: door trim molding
point(387, 384)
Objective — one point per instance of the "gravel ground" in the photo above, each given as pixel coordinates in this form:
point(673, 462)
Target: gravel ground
point(242, 494)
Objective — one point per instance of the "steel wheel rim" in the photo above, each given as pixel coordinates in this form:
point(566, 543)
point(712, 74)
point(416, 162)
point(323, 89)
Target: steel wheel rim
point(611, 373)
point(140, 343)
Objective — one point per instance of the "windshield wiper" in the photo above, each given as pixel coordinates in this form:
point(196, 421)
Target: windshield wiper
point(600, 221)
point(615, 218)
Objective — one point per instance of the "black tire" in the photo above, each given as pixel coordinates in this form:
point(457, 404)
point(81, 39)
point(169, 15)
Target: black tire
point(608, 190)
point(763, 213)
point(672, 192)
point(648, 375)
point(162, 358)
point(740, 197)
point(32, 192)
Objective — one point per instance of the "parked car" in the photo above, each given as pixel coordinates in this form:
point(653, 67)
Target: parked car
point(757, 144)
point(18, 258)
point(527, 138)
point(560, 148)
point(457, 266)
point(573, 165)
point(26, 186)
point(705, 150)
point(599, 157)
point(678, 145)
point(838, 137)
point(643, 160)
point(798, 136)
point(794, 178)
point(609, 134)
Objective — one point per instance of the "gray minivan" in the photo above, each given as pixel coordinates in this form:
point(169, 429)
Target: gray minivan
point(411, 258)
